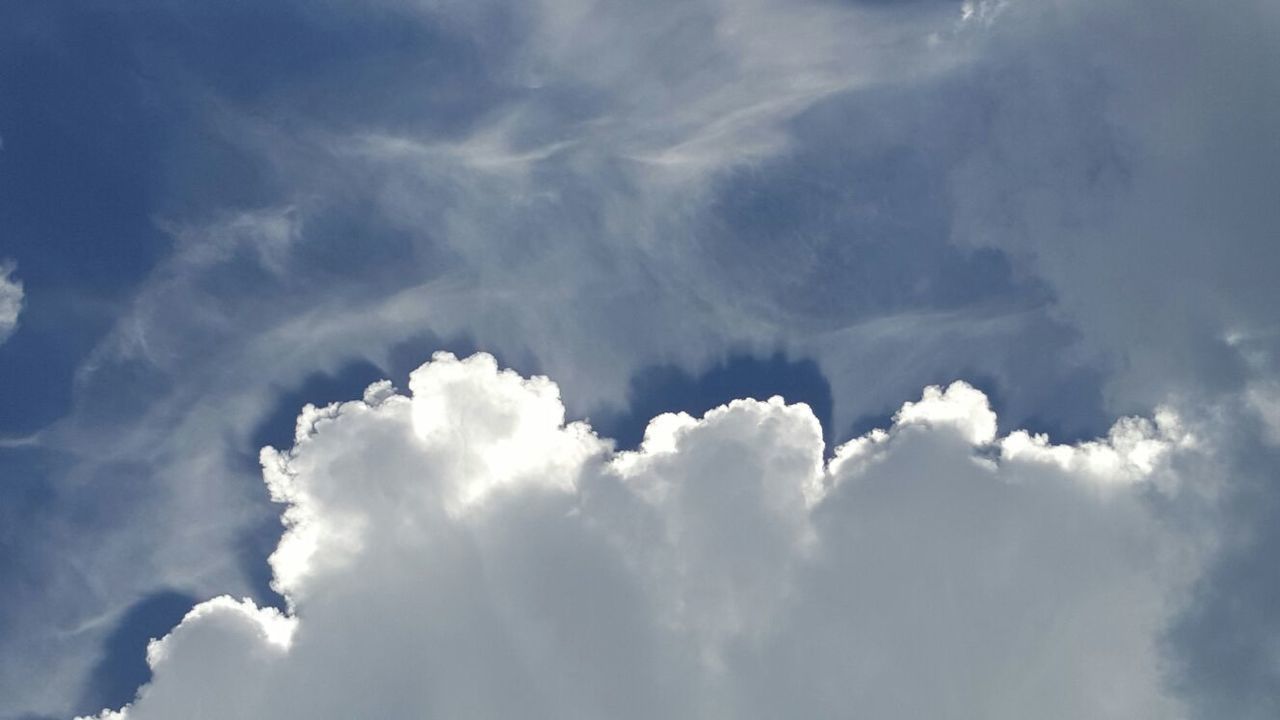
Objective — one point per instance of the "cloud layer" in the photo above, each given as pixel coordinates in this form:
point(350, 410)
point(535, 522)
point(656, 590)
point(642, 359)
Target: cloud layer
point(463, 552)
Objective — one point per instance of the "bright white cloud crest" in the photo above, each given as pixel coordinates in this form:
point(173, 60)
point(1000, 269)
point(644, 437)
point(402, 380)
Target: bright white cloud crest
point(462, 552)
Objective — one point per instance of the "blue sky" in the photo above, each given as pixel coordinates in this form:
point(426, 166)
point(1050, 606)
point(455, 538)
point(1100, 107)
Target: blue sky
point(213, 215)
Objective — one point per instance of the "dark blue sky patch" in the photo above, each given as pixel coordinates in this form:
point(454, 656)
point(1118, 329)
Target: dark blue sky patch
point(384, 68)
point(657, 389)
point(80, 141)
point(122, 668)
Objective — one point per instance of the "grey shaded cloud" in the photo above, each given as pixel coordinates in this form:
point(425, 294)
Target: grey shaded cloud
point(1111, 177)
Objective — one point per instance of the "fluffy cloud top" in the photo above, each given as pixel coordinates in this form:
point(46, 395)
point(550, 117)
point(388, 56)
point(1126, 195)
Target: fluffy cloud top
point(463, 552)
point(11, 296)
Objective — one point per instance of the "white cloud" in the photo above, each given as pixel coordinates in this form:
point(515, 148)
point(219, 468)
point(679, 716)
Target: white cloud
point(11, 297)
point(960, 406)
point(462, 552)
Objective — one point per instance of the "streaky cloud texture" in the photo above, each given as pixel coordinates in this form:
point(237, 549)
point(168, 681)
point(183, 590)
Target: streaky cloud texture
point(463, 552)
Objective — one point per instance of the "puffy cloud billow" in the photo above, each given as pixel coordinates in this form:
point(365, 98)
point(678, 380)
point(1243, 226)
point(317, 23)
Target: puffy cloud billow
point(463, 552)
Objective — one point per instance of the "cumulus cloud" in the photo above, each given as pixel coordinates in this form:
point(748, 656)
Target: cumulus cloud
point(462, 551)
point(11, 296)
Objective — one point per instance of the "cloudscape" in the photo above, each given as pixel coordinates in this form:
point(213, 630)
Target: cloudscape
point(593, 359)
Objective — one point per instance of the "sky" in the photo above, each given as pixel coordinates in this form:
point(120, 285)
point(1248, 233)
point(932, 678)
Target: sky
point(586, 358)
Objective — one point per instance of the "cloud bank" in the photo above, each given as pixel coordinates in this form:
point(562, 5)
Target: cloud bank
point(461, 551)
